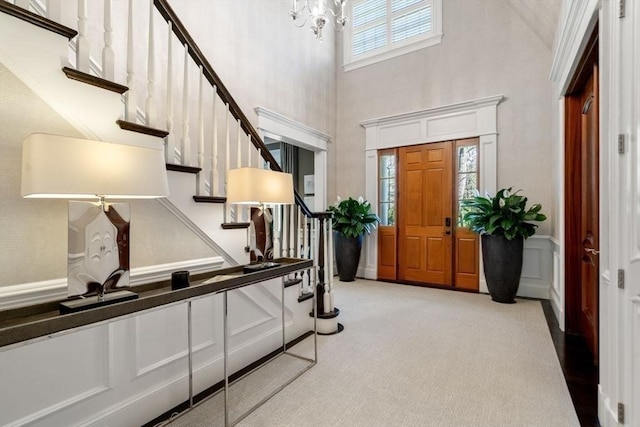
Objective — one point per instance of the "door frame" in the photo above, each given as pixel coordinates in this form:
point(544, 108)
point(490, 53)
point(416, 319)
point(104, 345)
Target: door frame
point(572, 185)
point(469, 119)
point(280, 128)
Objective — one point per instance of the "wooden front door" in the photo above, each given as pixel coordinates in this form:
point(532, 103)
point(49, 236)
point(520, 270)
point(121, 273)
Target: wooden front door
point(589, 214)
point(425, 213)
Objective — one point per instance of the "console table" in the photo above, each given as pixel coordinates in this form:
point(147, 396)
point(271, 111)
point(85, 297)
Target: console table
point(24, 326)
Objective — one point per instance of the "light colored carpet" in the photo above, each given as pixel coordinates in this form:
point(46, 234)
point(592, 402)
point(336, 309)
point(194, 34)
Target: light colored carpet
point(413, 356)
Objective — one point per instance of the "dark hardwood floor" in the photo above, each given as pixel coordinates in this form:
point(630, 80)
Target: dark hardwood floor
point(580, 373)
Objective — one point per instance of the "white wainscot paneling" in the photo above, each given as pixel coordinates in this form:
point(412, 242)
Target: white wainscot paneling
point(557, 292)
point(258, 306)
point(535, 281)
point(160, 338)
point(48, 376)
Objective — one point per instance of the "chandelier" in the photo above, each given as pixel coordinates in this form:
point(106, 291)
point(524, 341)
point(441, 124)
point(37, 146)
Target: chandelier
point(318, 13)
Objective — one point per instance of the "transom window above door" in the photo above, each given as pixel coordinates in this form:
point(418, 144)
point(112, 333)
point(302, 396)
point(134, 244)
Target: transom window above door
point(383, 29)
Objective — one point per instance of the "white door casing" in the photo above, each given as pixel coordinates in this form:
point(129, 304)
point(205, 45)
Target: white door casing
point(280, 128)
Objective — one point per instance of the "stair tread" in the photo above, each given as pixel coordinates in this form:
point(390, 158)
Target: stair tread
point(209, 199)
point(94, 81)
point(234, 225)
point(136, 127)
point(305, 296)
point(292, 282)
point(37, 20)
point(182, 168)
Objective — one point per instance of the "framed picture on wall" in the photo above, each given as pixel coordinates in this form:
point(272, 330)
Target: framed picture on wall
point(309, 184)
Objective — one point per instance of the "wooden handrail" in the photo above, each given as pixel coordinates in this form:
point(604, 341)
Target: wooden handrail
point(196, 54)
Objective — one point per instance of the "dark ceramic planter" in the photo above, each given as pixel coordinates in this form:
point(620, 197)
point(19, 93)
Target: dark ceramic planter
point(502, 262)
point(347, 256)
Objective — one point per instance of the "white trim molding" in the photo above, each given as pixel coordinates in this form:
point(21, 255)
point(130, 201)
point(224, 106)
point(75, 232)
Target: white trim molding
point(25, 294)
point(467, 119)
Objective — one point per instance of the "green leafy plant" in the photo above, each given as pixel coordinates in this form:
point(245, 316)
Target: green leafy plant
point(505, 215)
point(353, 217)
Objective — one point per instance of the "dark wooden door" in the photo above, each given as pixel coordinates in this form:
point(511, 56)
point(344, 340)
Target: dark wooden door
point(581, 201)
point(425, 217)
point(589, 214)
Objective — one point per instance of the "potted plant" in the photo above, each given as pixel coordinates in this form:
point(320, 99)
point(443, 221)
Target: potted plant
point(351, 219)
point(502, 223)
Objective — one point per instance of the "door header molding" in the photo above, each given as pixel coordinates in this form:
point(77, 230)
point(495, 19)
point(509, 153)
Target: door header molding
point(459, 120)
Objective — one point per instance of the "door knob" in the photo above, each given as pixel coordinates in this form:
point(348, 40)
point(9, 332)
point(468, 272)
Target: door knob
point(591, 251)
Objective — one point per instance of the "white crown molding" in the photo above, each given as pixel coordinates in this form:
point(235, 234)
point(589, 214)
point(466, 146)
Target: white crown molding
point(275, 123)
point(580, 20)
point(436, 111)
point(25, 294)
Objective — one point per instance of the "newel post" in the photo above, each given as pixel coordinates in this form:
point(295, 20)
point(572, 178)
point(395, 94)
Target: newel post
point(326, 311)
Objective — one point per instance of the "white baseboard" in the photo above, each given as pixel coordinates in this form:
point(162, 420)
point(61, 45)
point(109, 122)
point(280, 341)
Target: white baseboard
point(606, 415)
point(25, 294)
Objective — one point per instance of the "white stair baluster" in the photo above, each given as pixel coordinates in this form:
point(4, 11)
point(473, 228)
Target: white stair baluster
point(305, 253)
point(292, 231)
point(299, 253)
point(313, 249)
point(200, 177)
point(239, 146)
point(82, 44)
point(213, 179)
point(326, 297)
point(169, 144)
point(276, 231)
point(151, 72)
point(240, 210)
point(185, 142)
point(130, 95)
point(227, 162)
point(108, 61)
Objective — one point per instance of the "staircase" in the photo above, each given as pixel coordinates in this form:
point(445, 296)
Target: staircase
point(168, 97)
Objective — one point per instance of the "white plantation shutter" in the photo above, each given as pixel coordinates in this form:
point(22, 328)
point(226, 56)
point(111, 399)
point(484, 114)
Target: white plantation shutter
point(410, 25)
point(369, 26)
point(368, 11)
point(380, 26)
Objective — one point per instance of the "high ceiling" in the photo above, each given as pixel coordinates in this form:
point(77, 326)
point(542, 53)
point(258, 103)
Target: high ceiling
point(541, 16)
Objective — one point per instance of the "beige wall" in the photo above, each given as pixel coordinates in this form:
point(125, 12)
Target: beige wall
point(486, 50)
point(264, 59)
point(33, 232)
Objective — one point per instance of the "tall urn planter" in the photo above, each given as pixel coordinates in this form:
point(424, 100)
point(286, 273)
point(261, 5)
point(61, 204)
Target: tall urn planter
point(502, 262)
point(352, 219)
point(347, 256)
point(502, 221)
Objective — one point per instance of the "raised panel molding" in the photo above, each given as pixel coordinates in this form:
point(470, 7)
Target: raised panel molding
point(18, 395)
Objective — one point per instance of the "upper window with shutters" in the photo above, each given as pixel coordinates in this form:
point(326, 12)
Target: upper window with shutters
point(383, 29)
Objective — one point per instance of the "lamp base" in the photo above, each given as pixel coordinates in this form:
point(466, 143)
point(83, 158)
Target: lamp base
point(254, 268)
point(88, 303)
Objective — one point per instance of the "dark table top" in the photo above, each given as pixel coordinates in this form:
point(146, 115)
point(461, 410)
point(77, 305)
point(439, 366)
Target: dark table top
point(25, 323)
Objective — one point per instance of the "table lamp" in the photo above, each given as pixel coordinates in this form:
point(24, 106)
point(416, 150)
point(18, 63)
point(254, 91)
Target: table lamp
point(56, 166)
point(253, 186)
